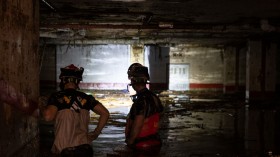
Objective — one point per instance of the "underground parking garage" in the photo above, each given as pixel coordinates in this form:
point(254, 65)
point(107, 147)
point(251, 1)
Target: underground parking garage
point(215, 69)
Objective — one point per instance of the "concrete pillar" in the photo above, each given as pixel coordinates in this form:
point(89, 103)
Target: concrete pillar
point(260, 70)
point(19, 78)
point(270, 67)
point(137, 54)
point(157, 59)
point(230, 73)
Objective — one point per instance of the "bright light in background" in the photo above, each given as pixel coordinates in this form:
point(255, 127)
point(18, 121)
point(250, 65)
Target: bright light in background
point(131, 90)
point(105, 65)
point(105, 73)
point(179, 77)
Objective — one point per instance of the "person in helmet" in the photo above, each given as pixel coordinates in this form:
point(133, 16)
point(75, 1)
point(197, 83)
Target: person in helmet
point(142, 125)
point(69, 108)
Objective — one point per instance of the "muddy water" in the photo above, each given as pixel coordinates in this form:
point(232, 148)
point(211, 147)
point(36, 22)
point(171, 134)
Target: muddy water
point(197, 129)
point(184, 133)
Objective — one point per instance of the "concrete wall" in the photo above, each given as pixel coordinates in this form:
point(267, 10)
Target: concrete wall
point(205, 65)
point(234, 69)
point(210, 68)
point(261, 70)
point(19, 77)
point(47, 67)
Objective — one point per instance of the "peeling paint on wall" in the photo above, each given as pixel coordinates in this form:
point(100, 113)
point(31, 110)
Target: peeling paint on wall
point(206, 66)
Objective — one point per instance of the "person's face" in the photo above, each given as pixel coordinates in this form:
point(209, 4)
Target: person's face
point(134, 86)
point(138, 86)
point(130, 89)
point(70, 85)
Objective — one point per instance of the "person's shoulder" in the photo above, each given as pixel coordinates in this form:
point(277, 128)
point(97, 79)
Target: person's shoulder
point(55, 96)
point(81, 93)
point(84, 94)
point(149, 93)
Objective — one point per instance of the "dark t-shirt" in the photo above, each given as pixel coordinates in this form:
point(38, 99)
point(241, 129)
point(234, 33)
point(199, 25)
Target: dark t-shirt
point(72, 99)
point(145, 103)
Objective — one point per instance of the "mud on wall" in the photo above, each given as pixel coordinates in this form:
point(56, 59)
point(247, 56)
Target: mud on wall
point(19, 28)
point(211, 68)
point(205, 65)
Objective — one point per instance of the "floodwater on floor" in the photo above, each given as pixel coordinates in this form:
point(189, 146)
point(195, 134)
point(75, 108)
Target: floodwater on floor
point(193, 129)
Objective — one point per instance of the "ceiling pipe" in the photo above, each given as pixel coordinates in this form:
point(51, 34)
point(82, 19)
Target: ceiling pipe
point(218, 28)
point(48, 4)
point(143, 41)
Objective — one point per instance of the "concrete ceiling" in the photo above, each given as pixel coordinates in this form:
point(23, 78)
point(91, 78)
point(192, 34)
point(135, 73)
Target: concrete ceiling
point(158, 21)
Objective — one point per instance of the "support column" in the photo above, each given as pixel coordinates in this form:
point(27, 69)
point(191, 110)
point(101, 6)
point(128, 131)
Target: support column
point(137, 54)
point(270, 67)
point(230, 73)
point(260, 70)
point(19, 78)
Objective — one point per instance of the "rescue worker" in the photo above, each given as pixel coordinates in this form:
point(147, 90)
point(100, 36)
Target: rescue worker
point(142, 128)
point(69, 108)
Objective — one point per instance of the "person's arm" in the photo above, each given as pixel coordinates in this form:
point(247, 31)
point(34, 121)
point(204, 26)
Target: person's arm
point(135, 129)
point(103, 118)
point(50, 112)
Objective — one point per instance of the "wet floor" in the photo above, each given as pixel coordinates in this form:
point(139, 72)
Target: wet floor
point(184, 133)
point(198, 128)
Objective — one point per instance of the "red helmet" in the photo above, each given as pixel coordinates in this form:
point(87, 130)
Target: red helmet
point(72, 71)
